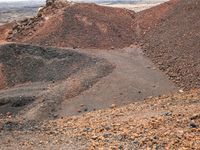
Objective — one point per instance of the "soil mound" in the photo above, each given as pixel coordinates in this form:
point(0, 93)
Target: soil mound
point(173, 43)
point(44, 75)
point(78, 25)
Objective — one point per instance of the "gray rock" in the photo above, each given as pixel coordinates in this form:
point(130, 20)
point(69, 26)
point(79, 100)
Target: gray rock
point(193, 124)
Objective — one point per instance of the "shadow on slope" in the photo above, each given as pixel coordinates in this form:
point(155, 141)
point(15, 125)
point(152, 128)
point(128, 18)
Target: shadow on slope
point(44, 76)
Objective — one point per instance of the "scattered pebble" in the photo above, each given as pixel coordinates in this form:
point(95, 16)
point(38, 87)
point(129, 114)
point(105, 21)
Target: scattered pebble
point(181, 91)
point(113, 106)
point(167, 113)
point(193, 124)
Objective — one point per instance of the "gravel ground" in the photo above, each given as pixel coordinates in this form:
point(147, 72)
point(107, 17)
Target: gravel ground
point(35, 80)
point(169, 122)
point(78, 25)
point(171, 40)
point(169, 35)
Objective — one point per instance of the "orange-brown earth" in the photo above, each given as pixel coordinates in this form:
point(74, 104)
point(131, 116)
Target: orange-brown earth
point(169, 122)
point(5, 30)
point(79, 25)
point(150, 18)
point(171, 40)
point(168, 34)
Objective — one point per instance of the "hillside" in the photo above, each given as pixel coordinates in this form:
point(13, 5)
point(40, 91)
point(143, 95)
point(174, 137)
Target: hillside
point(168, 33)
point(34, 80)
point(78, 25)
point(171, 40)
point(160, 123)
point(122, 80)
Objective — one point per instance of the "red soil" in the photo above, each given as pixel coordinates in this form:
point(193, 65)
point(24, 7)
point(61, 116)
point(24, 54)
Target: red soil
point(150, 18)
point(174, 43)
point(5, 30)
point(169, 33)
point(85, 26)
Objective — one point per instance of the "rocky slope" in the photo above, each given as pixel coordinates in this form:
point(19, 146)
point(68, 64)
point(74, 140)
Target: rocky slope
point(78, 25)
point(35, 80)
point(169, 122)
point(5, 30)
point(169, 35)
point(171, 40)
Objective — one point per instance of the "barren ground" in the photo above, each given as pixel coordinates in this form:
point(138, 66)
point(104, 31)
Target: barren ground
point(118, 95)
point(134, 78)
point(170, 122)
point(35, 80)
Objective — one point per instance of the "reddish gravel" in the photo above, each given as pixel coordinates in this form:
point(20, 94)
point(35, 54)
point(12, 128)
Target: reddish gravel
point(170, 36)
point(169, 33)
point(4, 31)
point(167, 123)
point(173, 42)
point(148, 19)
point(82, 25)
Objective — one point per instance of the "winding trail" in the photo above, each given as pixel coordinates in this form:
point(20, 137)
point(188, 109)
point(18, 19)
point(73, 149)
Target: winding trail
point(135, 78)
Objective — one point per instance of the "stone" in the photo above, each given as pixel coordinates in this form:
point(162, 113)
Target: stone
point(55, 115)
point(181, 91)
point(167, 114)
point(193, 124)
point(195, 116)
point(94, 137)
point(113, 106)
point(106, 135)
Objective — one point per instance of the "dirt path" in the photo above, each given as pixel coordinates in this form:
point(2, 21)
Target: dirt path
point(135, 78)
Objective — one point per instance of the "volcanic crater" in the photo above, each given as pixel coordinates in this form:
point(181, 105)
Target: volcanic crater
point(27, 72)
